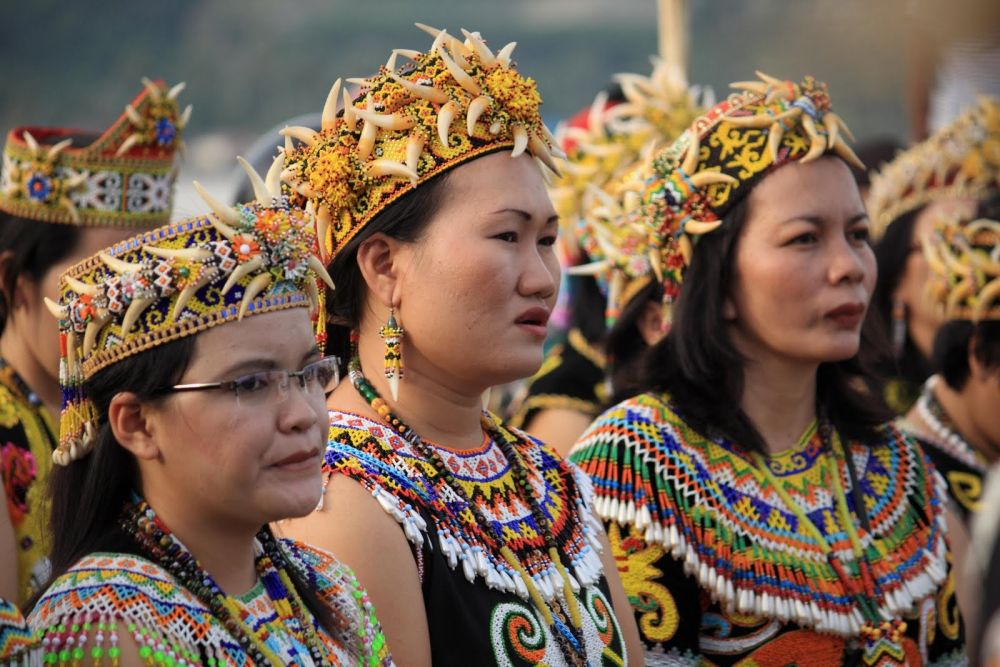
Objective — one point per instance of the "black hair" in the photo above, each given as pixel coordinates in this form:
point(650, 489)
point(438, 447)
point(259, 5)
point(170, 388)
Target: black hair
point(874, 154)
point(586, 308)
point(89, 495)
point(625, 344)
point(951, 349)
point(32, 248)
point(405, 219)
point(891, 255)
point(700, 367)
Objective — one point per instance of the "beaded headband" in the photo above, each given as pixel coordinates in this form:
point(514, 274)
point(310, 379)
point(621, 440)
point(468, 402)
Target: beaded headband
point(602, 162)
point(177, 281)
point(964, 258)
point(401, 131)
point(123, 178)
point(691, 185)
point(960, 160)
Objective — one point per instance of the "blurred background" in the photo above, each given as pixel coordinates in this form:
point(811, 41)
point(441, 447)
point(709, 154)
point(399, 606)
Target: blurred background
point(252, 64)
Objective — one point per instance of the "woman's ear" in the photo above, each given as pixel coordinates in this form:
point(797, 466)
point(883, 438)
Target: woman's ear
point(651, 323)
point(379, 260)
point(129, 419)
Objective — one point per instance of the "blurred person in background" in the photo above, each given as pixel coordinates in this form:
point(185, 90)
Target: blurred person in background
point(64, 194)
point(946, 175)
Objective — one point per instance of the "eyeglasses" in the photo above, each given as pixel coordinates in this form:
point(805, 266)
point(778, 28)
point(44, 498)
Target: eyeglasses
point(316, 379)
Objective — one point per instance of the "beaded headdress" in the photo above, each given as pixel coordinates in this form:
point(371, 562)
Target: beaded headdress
point(960, 160)
point(124, 177)
point(689, 187)
point(454, 103)
point(602, 162)
point(964, 258)
point(178, 280)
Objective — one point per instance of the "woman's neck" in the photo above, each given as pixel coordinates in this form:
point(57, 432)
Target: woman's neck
point(427, 403)
point(780, 400)
point(16, 352)
point(224, 548)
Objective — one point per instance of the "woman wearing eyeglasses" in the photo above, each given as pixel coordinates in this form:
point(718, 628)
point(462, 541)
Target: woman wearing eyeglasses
point(187, 426)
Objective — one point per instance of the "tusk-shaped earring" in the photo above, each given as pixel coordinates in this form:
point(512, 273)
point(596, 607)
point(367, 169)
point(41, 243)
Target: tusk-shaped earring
point(320, 270)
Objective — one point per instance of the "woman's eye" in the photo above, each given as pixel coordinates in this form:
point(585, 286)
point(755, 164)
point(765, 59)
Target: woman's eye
point(804, 239)
point(250, 383)
point(861, 235)
point(509, 237)
point(548, 240)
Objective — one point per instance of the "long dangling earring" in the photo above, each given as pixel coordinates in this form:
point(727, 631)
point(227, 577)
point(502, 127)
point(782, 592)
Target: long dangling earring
point(392, 334)
point(898, 328)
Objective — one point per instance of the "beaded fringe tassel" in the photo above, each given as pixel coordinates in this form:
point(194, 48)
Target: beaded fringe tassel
point(392, 334)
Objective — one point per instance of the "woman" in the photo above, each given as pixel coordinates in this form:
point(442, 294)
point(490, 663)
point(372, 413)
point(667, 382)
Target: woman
point(946, 175)
point(65, 195)
point(955, 419)
point(476, 541)
point(187, 426)
point(758, 509)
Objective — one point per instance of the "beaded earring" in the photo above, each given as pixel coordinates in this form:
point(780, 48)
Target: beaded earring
point(898, 331)
point(392, 334)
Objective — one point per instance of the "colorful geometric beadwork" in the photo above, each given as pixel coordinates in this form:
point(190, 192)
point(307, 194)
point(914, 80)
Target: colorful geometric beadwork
point(398, 131)
point(18, 644)
point(175, 281)
point(123, 177)
point(960, 160)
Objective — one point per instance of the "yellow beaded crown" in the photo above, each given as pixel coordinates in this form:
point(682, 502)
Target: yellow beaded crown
point(960, 160)
point(964, 258)
point(689, 187)
point(454, 103)
point(178, 280)
point(123, 177)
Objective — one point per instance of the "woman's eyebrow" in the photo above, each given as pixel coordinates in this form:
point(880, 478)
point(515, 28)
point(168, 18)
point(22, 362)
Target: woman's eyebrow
point(524, 215)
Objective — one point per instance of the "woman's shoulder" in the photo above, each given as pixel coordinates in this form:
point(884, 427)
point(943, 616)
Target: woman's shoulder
point(123, 587)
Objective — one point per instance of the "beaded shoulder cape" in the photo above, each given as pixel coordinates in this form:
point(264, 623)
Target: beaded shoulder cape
point(696, 526)
point(27, 438)
point(461, 566)
point(105, 589)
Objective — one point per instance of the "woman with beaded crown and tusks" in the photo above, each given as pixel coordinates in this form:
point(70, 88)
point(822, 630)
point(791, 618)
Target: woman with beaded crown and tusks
point(64, 194)
point(945, 175)
point(186, 428)
point(759, 509)
point(477, 543)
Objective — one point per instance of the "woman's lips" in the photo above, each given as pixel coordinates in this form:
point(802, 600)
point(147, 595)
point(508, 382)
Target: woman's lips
point(534, 321)
point(303, 460)
point(848, 315)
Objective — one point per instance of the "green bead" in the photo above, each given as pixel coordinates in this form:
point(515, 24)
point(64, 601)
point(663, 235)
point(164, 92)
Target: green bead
point(78, 653)
point(114, 652)
point(64, 655)
point(158, 657)
point(96, 653)
point(145, 652)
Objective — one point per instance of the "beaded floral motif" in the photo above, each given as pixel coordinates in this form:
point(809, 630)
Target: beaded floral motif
point(712, 509)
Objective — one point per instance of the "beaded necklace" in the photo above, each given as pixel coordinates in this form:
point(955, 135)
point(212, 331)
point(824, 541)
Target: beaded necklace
point(156, 540)
point(946, 437)
point(876, 630)
point(570, 639)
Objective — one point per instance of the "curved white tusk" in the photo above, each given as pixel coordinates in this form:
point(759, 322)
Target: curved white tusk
point(256, 286)
point(94, 327)
point(476, 109)
point(686, 248)
point(391, 168)
point(477, 44)
point(704, 178)
point(591, 269)
point(59, 312)
point(259, 189)
point(272, 181)
point(329, 117)
point(244, 269)
point(366, 142)
point(848, 155)
point(57, 149)
point(412, 54)
point(987, 295)
point(185, 117)
point(133, 116)
point(30, 140)
point(127, 144)
point(843, 126)
point(306, 135)
point(176, 90)
point(423, 92)
point(322, 229)
point(759, 121)
point(691, 156)
point(226, 214)
point(189, 291)
point(832, 129)
point(445, 117)
point(774, 136)
point(349, 116)
point(520, 139)
point(503, 57)
point(135, 309)
point(701, 226)
point(538, 148)
point(654, 262)
point(757, 87)
point(817, 143)
point(187, 254)
point(153, 89)
point(414, 148)
point(119, 266)
point(386, 121)
point(460, 75)
point(320, 270)
point(70, 207)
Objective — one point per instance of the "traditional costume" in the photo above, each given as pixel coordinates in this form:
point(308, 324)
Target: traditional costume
point(812, 556)
point(160, 286)
point(122, 177)
point(503, 536)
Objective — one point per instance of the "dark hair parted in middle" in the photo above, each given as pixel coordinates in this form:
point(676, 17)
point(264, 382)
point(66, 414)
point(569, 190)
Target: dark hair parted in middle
point(700, 367)
point(956, 340)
